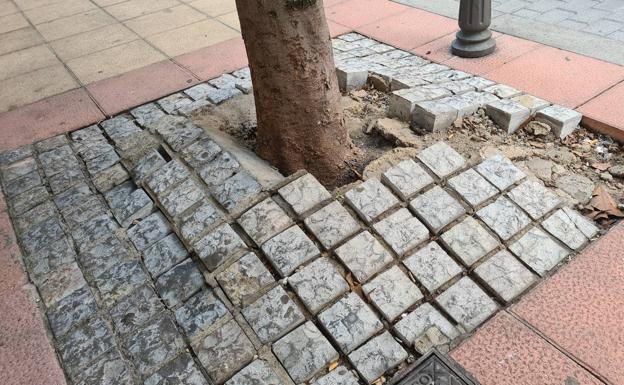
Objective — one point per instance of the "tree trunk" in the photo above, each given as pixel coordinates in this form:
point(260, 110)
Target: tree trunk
point(300, 123)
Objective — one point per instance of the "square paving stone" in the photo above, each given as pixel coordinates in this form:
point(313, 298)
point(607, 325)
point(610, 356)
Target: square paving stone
point(181, 197)
point(92, 207)
point(109, 368)
point(218, 246)
point(504, 217)
point(377, 356)
point(304, 352)
point(223, 166)
point(407, 178)
point(563, 227)
point(164, 254)
point(264, 220)
point(71, 310)
point(505, 275)
point(273, 315)
point(584, 224)
point(225, 351)
point(106, 253)
point(370, 199)
point(166, 177)
point(61, 283)
point(40, 235)
point(107, 179)
point(13, 156)
point(304, 193)
point(69, 178)
point(425, 328)
point(350, 322)
point(84, 344)
point(534, 198)
point(148, 164)
point(18, 169)
point(147, 114)
point(437, 208)
point(244, 279)
point(89, 233)
point(201, 313)
point(467, 303)
point(73, 197)
point(136, 309)
point(102, 162)
point(181, 371)
point(258, 372)
point(154, 344)
point(392, 292)
point(499, 171)
point(331, 224)
point(177, 131)
point(364, 256)
point(128, 203)
point(402, 231)
point(562, 120)
point(34, 216)
point(29, 199)
point(149, 231)
point(472, 187)
point(49, 259)
point(193, 224)
point(62, 158)
point(432, 266)
point(339, 376)
point(120, 280)
point(441, 159)
point(469, 240)
point(201, 152)
point(236, 189)
point(538, 250)
point(290, 249)
point(318, 284)
point(179, 283)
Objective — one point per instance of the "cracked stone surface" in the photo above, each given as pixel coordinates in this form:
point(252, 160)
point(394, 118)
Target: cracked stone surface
point(318, 283)
point(469, 240)
point(243, 279)
point(504, 217)
point(331, 224)
point(538, 250)
point(467, 303)
point(264, 220)
point(364, 256)
point(370, 199)
point(304, 193)
point(562, 227)
point(499, 171)
point(432, 266)
point(290, 249)
point(437, 208)
point(472, 187)
point(425, 328)
point(377, 356)
point(392, 292)
point(407, 178)
point(402, 231)
point(534, 198)
point(441, 159)
point(256, 373)
point(505, 275)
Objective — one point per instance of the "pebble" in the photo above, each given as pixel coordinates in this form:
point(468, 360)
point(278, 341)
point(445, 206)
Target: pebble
point(606, 176)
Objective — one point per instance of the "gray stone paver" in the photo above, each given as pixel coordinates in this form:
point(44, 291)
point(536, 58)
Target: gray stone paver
point(289, 249)
point(425, 328)
point(121, 279)
point(109, 368)
point(437, 208)
point(432, 266)
point(331, 224)
point(504, 217)
point(562, 227)
point(467, 303)
point(164, 254)
point(538, 250)
point(216, 247)
point(402, 231)
point(243, 279)
point(469, 240)
point(370, 199)
point(534, 198)
point(318, 283)
point(392, 292)
point(149, 231)
point(505, 275)
point(339, 376)
point(499, 171)
point(258, 372)
point(179, 283)
point(182, 370)
point(71, 310)
point(407, 178)
point(264, 220)
point(84, 344)
point(377, 356)
point(181, 198)
point(472, 187)
point(200, 314)
point(194, 223)
point(441, 159)
point(136, 309)
point(364, 256)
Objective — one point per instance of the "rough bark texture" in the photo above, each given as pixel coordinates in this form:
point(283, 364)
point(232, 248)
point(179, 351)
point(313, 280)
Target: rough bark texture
point(300, 123)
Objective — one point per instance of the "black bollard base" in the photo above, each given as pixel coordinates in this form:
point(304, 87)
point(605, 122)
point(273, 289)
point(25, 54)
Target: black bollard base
point(473, 44)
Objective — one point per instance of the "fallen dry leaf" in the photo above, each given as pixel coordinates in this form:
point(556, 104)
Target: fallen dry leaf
point(603, 205)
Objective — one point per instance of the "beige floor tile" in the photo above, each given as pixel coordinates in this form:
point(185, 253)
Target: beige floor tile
point(26, 60)
point(30, 4)
point(214, 7)
point(135, 8)
point(192, 37)
point(230, 19)
point(58, 10)
point(114, 61)
point(34, 86)
point(12, 22)
point(7, 8)
point(106, 3)
point(19, 39)
point(165, 20)
point(74, 24)
point(93, 41)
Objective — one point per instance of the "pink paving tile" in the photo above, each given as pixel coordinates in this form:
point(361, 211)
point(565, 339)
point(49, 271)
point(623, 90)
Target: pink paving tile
point(47, 117)
point(355, 13)
point(605, 113)
point(210, 62)
point(11, 274)
point(558, 76)
point(581, 308)
point(504, 351)
point(411, 28)
point(139, 86)
point(336, 29)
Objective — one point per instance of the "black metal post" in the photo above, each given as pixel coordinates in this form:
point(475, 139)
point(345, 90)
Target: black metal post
point(474, 39)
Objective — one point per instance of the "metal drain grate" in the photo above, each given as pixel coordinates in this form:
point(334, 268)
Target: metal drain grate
point(434, 369)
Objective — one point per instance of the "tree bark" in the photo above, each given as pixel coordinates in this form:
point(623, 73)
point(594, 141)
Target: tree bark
point(300, 124)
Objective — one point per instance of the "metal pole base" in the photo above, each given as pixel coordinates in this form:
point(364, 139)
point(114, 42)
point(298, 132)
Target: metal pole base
point(473, 44)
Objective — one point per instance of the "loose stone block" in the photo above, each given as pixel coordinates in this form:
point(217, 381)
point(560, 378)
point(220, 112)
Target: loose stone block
point(177, 131)
point(586, 226)
point(364, 256)
point(370, 199)
point(318, 284)
point(102, 162)
point(182, 370)
point(531, 102)
point(147, 114)
point(273, 315)
point(109, 368)
point(224, 81)
point(86, 210)
point(200, 91)
point(339, 376)
point(432, 266)
point(464, 106)
point(304, 193)
point(406, 79)
point(22, 184)
point(264, 220)
point(290, 249)
point(469, 240)
point(402, 231)
point(503, 91)
point(136, 309)
point(407, 178)
point(172, 103)
point(351, 75)
point(223, 166)
point(119, 126)
point(534, 198)
point(119, 281)
point(331, 224)
point(219, 95)
point(504, 217)
point(426, 328)
point(472, 187)
point(29, 199)
point(402, 102)
point(441, 159)
point(350, 322)
point(225, 351)
point(109, 178)
point(236, 189)
point(505, 275)
point(181, 198)
point(508, 114)
point(538, 250)
point(257, 373)
point(164, 254)
point(478, 83)
point(84, 344)
point(193, 224)
point(377, 356)
point(446, 76)
point(166, 176)
point(201, 152)
point(245, 279)
point(179, 283)
point(437, 208)
point(128, 203)
point(467, 303)
point(149, 231)
point(457, 87)
point(149, 163)
point(219, 245)
point(200, 314)
point(154, 344)
point(71, 310)
point(562, 120)
point(479, 99)
point(499, 171)
point(392, 292)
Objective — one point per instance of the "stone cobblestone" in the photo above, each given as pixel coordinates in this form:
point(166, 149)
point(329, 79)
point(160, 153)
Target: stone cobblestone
point(179, 283)
point(467, 303)
point(289, 249)
point(437, 208)
point(370, 199)
point(136, 309)
point(201, 313)
point(257, 373)
point(538, 250)
point(182, 370)
point(407, 178)
point(264, 221)
point(223, 166)
point(71, 310)
point(339, 376)
point(164, 254)
point(318, 284)
point(425, 328)
point(505, 275)
point(392, 292)
point(149, 231)
point(508, 114)
point(562, 227)
point(244, 279)
point(364, 256)
point(236, 189)
point(331, 224)
point(504, 217)
point(120, 280)
point(472, 187)
point(193, 224)
point(304, 193)
point(441, 159)
point(109, 368)
point(84, 344)
point(402, 231)
point(166, 176)
point(563, 121)
point(534, 198)
point(377, 356)
point(181, 198)
point(499, 171)
point(432, 266)
point(469, 240)
point(218, 246)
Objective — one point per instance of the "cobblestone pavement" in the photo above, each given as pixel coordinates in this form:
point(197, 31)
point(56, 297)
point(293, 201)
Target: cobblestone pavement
point(161, 259)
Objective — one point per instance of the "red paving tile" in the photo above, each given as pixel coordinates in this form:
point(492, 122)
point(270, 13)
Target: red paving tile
point(139, 86)
point(605, 112)
point(558, 76)
point(336, 29)
point(210, 62)
point(355, 13)
point(47, 117)
point(411, 28)
point(581, 308)
point(505, 351)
